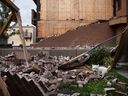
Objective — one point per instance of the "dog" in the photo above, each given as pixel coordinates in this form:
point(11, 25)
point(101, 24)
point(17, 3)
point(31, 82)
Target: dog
point(101, 70)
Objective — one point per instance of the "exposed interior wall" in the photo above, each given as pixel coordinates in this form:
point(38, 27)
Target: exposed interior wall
point(121, 8)
point(59, 16)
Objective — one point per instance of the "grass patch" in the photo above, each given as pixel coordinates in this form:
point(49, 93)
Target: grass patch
point(114, 74)
point(91, 87)
point(95, 86)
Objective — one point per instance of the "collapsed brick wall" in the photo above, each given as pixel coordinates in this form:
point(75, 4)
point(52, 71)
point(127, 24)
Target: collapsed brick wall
point(81, 36)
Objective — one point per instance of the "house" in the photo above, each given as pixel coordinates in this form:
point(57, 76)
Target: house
point(29, 35)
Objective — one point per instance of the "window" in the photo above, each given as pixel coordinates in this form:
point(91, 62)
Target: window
point(12, 42)
point(14, 30)
point(26, 33)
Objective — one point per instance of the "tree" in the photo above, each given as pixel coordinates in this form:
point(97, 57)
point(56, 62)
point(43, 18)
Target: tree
point(4, 13)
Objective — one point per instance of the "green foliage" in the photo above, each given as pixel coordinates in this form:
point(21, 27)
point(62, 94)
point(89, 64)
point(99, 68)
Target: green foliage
point(91, 87)
point(114, 74)
point(107, 61)
point(99, 56)
point(4, 13)
point(95, 86)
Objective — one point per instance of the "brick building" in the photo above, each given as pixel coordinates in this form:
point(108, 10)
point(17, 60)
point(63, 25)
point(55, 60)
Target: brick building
point(55, 17)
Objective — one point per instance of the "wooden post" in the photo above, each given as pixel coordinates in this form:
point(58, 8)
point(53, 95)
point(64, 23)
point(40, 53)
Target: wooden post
point(3, 88)
point(22, 37)
point(122, 48)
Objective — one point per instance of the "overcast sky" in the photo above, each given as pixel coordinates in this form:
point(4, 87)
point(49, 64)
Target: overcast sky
point(25, 9)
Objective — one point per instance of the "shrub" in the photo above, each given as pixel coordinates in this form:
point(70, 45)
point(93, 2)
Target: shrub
point(107, 61)
point(100, 55)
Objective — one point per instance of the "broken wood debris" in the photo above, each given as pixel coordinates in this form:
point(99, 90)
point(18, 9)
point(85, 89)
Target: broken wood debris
point(43, 75)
